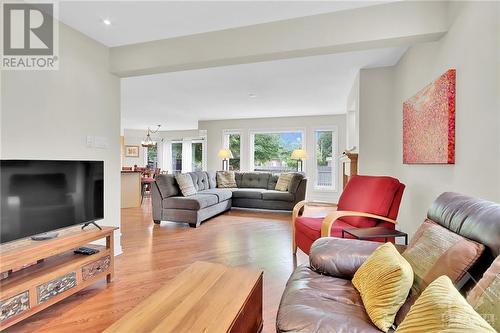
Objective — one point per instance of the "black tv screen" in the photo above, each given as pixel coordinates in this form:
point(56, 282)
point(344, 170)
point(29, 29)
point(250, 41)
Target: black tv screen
point(40, 196)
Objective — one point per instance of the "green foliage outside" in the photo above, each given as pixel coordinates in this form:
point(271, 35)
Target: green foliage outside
point(152, 156)
point(273, 146)
point(324, 147)
point(234, 146)
point(197, 156)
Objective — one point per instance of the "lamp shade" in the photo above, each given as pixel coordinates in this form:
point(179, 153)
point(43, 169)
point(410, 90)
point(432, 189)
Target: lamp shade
point(299, 154)
point(225, 153)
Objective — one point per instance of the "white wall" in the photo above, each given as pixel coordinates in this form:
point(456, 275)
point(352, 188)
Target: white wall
point(352, 117)
point(215, 129)
point(470, 46)
point(48, 114)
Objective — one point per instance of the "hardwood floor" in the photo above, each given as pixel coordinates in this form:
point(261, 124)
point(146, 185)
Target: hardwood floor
point(154, 254)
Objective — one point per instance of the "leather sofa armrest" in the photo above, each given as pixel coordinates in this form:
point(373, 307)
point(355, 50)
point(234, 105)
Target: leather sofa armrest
point(340, 257)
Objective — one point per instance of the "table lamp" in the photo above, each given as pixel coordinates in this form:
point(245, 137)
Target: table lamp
point(299, 155)
point(225, 154)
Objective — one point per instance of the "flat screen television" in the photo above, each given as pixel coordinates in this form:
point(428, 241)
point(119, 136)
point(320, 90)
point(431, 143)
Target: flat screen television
point(41, 196)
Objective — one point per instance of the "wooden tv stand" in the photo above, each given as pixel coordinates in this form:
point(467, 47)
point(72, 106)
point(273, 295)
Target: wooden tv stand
point(53, 271)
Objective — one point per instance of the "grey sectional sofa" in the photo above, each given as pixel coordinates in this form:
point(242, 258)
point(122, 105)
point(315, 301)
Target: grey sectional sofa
point(255, 190)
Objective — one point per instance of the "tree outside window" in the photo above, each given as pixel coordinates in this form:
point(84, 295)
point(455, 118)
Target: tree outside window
point(324, 158)
point(272, 151)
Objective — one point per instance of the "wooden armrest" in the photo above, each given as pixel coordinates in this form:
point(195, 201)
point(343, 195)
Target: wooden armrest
point(326, 226)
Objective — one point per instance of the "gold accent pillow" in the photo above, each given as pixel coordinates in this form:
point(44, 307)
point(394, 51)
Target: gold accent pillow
point(383, 281)
point(186, 184)
point(283, 182)
point(441, 308)
point(226, 179)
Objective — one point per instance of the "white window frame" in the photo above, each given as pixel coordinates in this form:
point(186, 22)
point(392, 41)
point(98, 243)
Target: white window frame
point(335, 160)
point(252, 133)
point(225, 141)
point(203, 142)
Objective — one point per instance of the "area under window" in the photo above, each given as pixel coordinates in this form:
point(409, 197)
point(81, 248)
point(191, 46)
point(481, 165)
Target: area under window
point(324, 159)
point(272, 151)
point(232, 140)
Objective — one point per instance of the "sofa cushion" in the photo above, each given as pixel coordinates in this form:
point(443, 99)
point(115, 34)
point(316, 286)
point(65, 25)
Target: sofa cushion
point(186, 185)
point(238, 176)
point(200, 180)
point(283, 181)
point(221, 193)
point(255, 180)
point(277, 195)
point(318, 303)
point(368, 194)
point(226, 179)
point(249, 193)
point(308, 229)
point(193, 202)
point(435, 251)
point(383, 281)
point(441, 308)
point(167, 185)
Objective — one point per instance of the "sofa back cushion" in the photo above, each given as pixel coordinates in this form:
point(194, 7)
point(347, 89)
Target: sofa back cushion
point(254, 180)
point(273, 179)
point(369, 194)
point(212, 179)
point(295, 182)
point(167, 185)
point(200, 180)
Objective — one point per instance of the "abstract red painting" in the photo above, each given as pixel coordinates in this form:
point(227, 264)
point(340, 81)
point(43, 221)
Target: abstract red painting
point(429, 123)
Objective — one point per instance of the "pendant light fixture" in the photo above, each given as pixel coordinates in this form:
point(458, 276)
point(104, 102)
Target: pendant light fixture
point(148, 141)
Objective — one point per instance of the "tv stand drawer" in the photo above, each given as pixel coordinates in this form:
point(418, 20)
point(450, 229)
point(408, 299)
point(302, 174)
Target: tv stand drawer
point(95, 268)
point(55, 287)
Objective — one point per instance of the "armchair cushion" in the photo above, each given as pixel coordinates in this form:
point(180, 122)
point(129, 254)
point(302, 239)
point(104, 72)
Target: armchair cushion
point(339, 257)
point(369, 194)
point(308, 229)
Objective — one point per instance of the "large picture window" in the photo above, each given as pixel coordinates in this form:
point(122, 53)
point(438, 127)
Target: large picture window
point(271, 151)
point(325, 164)
point(176, 157)
point(232, 141)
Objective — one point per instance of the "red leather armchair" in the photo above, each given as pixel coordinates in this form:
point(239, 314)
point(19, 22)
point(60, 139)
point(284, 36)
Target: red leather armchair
point(367, 201)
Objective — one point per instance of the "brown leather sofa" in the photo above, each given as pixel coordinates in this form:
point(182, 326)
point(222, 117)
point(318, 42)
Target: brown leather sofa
point(320, 297)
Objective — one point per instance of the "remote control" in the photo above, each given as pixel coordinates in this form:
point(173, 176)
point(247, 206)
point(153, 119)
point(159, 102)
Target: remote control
point(85, 250)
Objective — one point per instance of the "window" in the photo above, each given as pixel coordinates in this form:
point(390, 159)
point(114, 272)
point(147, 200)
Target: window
point(197, 156)
point(232, 140)
point(152, 157)
point(271, 151)
point(325, 164)
point(176, 157)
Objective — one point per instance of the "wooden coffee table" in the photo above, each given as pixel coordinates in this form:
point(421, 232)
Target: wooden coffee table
point(205, 297)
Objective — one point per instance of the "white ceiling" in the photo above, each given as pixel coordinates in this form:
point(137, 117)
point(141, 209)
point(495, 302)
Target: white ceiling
point(141, 21)
point(293, 87)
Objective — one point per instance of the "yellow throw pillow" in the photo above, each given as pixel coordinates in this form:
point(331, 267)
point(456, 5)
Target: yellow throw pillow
point(441, 308)
point(383, 281)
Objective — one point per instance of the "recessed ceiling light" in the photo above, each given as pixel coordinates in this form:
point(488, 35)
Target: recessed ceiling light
point(252, 95)
point(106, 22)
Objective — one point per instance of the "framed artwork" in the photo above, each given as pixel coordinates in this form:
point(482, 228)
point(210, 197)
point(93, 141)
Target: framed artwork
point(131, 151)
point(429, 123)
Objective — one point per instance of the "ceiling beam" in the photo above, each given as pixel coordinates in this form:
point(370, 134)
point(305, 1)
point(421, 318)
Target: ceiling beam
point(392, 24)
